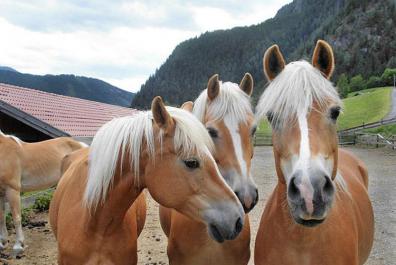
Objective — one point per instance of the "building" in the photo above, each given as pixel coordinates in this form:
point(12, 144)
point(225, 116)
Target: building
point(34, 115)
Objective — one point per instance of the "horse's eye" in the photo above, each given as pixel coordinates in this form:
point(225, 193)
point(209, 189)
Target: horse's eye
point(213, 132)
point(270, 116)
point(334, 113)
point(191, 163)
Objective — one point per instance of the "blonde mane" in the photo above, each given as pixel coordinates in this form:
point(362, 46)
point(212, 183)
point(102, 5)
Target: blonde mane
point(125, 136)
point(293, 91)
point(232, 102)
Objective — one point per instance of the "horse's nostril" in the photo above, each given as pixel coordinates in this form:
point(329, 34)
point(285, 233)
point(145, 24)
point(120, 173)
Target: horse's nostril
point(293, 191)
point(238, 225)
point(328, 187)
point(238, 196)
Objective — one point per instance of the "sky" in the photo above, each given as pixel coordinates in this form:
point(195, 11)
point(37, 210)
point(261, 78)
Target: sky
point(121, 42)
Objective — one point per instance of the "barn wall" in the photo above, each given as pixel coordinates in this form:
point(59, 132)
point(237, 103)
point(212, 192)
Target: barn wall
point(9, 125)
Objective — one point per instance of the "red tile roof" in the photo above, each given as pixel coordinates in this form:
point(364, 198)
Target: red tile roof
point(77, 117)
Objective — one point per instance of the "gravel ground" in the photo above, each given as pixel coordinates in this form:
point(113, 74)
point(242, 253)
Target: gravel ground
point(152, 243)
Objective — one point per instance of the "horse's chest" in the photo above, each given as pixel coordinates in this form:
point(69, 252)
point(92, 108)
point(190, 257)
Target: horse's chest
point(211, 252)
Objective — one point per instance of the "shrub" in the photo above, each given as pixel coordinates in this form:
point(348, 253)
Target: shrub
point(374, 81)
point(42, 202)
point(357, 83)
point(343, 86)
point(26, 215)
point(387, 76)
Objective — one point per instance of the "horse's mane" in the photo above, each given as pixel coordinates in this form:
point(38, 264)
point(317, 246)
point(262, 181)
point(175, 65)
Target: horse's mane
point(16, 139)
point(293, 91)
point(125, 136)
point(232, 102)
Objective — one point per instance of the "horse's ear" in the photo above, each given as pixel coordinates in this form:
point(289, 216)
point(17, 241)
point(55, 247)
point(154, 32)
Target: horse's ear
point(323, 58)
point(160, 114)
point(247, 84)
point(273, 62)
point(213, 87)
point(188, 106)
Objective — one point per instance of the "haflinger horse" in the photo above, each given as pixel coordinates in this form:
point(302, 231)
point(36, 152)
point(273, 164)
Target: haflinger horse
point(166, 150)
point(27, 167)
point(320, 211)
point(225, 110)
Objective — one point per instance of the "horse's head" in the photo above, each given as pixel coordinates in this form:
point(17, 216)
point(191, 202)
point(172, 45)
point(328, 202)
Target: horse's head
point(183, 174)
point(303, 106)
point(225, 110)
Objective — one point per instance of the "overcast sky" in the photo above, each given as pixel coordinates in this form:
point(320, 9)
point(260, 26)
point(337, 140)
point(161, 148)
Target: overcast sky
point(121, 42)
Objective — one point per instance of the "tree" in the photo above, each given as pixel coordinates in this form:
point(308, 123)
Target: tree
point(343, 85)
point(357, 83)
point(387, 76)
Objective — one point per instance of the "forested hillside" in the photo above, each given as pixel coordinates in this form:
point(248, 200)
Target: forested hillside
point(361, 32)
point(69, 85)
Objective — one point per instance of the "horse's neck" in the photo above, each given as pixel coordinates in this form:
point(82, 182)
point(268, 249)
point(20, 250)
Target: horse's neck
point(119, 199)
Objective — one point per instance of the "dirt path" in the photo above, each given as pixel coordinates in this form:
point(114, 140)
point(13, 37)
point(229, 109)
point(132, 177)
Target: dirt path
point(41, 248)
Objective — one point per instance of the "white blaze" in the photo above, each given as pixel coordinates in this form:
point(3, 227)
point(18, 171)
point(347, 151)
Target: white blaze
point(305, 186)
point(233, 128)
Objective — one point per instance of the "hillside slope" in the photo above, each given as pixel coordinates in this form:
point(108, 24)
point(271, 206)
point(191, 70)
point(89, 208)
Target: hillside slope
point(69, 85)
point(355, 28)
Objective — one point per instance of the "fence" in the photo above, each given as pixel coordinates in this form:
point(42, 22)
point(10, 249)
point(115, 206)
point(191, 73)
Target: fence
point(367, 139)
point(262, 139)
point(368, 125)
point(350, 138)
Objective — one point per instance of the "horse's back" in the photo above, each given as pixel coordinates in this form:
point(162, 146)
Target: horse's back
point(354, 167)
point(69, 158)
point(65, 187)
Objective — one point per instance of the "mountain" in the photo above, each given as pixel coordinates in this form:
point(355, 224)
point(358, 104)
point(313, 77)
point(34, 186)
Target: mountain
point(69, 85)
point(6, 68)
point(361, 32)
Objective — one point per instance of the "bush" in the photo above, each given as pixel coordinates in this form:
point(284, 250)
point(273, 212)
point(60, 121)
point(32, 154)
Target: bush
point(343, 86)
point(357, 83)
point(42, 202)
point(374, 81)
point(387, 76)
point(26, 215)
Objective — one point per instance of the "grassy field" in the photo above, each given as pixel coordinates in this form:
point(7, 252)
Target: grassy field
point(369, 106)
point(357, 93)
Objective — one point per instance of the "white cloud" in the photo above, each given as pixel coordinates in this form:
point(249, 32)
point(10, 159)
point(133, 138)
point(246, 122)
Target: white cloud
point(121, 42)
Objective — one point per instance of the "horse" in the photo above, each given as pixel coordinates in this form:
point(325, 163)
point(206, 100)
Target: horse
point(166, 150)
point(27, 167)
point(320, 211)
point(225, 110)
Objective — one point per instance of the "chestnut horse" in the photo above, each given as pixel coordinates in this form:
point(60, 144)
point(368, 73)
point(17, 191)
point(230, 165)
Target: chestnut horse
point(166, 151)
point(320, 211)
point(27, 167)
point(225, 110)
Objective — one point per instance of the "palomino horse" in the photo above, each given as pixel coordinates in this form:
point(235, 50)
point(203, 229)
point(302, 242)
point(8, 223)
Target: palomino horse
point(225, 110)
point(27, 167)
point(166, 151)
point(320, 211)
